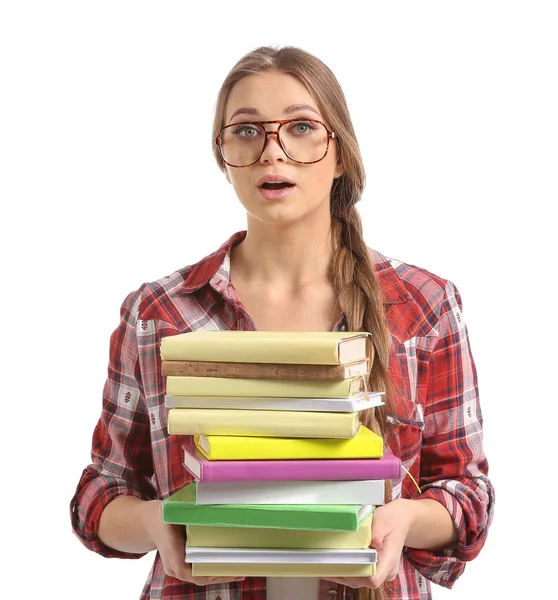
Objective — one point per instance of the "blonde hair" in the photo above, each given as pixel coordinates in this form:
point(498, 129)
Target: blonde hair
point(352, 268)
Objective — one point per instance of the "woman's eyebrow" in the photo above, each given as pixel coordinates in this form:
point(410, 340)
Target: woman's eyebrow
point(245, 110)
point(292, 108)
point(297, 107)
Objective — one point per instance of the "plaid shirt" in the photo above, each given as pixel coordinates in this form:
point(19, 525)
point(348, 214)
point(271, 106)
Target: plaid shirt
point(436, 429)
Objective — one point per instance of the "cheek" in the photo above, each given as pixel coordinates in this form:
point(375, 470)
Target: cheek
point(242, 188)
point(236, 177)
point(321, 178)
point(235, 181)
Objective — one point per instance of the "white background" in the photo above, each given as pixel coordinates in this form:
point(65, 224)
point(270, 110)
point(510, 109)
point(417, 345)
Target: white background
point(107, 181)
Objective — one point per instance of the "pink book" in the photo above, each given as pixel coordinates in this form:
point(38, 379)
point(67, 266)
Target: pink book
point(387, 467)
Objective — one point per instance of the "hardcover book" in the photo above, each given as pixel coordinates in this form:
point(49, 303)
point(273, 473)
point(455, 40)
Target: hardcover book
point(281, 347)
point(217, 421)
point(365, 444)
point(260, 537)
point(180, 509)
point(265, 388)
point(198, 368)
point(203, 469)
point(282, 570)
point(358, 403)
point(367, 491)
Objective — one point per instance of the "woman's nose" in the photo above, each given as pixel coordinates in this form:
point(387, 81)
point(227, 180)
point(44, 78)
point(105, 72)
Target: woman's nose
point(272, 150)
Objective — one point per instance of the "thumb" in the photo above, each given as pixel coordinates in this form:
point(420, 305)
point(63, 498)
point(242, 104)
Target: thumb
point(380, 530)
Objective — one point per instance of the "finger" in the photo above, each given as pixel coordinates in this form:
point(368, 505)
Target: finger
point(387, 566)
point(384, 569)
point(392, 575)
point(380, 529)
point(178, 570)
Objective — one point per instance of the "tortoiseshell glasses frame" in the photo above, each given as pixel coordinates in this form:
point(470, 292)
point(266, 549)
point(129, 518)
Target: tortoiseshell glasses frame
point(330, 136)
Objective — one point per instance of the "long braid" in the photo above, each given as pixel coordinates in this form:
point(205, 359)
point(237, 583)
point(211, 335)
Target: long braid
point(360, 299)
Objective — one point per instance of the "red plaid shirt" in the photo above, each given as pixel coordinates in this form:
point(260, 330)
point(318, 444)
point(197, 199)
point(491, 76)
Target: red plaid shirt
point(437, 428)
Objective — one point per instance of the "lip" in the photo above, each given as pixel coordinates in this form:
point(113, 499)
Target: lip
point(271, 177)
point(276, 194)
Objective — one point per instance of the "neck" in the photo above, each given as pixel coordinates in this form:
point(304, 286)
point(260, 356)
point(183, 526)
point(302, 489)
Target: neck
point(289, 257)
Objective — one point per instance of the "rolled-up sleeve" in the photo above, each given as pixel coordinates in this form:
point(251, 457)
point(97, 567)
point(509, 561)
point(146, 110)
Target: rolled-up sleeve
point(121, 450)
point(454, 468)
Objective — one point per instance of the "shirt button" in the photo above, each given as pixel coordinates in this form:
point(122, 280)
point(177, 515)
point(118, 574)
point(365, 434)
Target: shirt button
point(333, 593)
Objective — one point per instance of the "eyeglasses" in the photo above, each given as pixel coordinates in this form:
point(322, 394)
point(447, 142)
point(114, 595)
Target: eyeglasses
point(305, 141)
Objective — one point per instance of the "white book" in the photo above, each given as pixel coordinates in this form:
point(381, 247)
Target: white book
point(196, 554)
point(291, 492)
point(303, 404)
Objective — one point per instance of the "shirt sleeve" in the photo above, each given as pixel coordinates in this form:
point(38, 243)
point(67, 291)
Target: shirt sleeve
point(121, 449)
point(453, 468)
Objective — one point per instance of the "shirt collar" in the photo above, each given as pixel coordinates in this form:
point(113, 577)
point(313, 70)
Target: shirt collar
point(215, 271)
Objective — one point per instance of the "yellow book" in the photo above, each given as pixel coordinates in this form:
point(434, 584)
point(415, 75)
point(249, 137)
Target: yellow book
point(365, 444)
point(264, 388)
point(281, 423)
point(261, 537)
point(283, 347)
point(283, 570)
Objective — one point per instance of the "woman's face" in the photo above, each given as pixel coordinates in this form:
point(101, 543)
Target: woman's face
point(264, 97)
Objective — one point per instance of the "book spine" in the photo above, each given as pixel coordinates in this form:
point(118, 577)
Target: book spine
point(253, 370)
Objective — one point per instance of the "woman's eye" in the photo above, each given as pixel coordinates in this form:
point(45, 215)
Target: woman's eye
point(303, 127)
point(247, 131)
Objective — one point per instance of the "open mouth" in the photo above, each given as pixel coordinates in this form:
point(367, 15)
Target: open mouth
point(276, 185)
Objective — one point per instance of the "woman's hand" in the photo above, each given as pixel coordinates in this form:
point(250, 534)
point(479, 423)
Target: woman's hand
point(170, 541)
point(390, 525)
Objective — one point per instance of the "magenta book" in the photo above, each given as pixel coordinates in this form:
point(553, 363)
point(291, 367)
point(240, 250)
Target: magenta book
point(387, 467)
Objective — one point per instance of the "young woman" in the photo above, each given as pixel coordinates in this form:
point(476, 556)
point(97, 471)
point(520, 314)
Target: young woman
point(284, 140)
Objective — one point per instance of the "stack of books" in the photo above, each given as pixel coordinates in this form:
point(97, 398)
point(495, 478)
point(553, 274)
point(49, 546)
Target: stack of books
point(285, 478)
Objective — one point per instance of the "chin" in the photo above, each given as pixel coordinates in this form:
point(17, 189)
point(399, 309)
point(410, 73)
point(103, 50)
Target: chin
point(276, 218)
point(282, 212)
point(271, 211)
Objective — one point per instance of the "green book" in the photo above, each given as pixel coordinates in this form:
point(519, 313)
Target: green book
point(181, 509)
